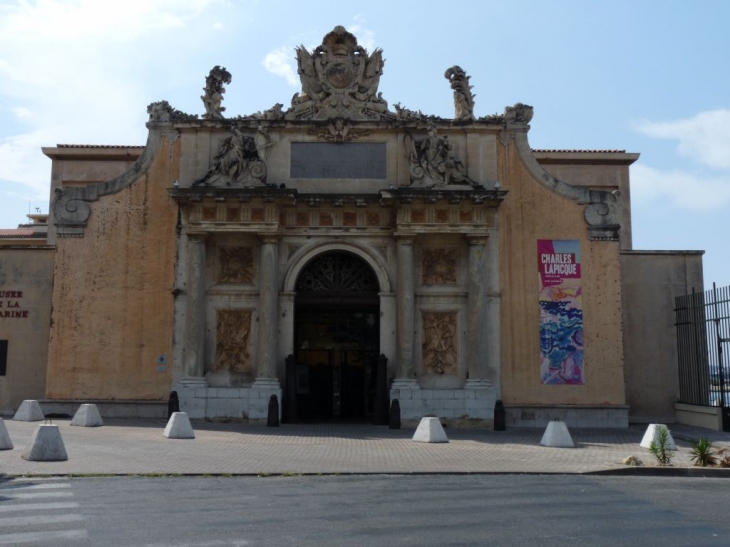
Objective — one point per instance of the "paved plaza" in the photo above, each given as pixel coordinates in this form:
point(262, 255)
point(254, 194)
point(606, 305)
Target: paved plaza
point(124, 446)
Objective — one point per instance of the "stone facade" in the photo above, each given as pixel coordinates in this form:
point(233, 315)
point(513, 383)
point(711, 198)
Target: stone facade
point(292, 251)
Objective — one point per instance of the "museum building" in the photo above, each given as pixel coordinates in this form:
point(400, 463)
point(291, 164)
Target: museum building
point(340, 254)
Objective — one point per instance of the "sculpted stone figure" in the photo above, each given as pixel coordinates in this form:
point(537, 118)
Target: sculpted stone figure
point(519, 113)
point(214, 93)
point(237, 163)
point(163, 112)
point(339, 80)
point(463, 97)
point(433, 163)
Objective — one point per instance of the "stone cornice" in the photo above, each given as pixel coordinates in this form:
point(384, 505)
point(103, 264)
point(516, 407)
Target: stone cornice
point(406, 194)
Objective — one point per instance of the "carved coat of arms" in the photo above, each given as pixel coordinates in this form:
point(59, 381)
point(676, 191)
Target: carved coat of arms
point(339, 80)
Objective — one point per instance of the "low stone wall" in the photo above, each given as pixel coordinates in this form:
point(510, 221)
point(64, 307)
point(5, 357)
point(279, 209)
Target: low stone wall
point(594, 416)
point(709, 417)
point(459, 407)
point(246, 403)
point(107, 409)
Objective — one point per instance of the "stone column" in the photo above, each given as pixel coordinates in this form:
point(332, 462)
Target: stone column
point(405, 309)
point(477, 322)
point(195, 304)
point(493, 320)
point(268, 313)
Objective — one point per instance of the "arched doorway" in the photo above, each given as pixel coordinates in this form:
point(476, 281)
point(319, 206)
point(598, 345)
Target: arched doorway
point(336, 338)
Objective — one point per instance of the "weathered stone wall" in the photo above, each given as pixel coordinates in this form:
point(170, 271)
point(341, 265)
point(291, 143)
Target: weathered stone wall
point(533, 212)
point(651, 281)
point(112, 300)
point(26, 283)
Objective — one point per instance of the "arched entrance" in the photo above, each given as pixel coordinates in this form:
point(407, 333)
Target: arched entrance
point(336, 338)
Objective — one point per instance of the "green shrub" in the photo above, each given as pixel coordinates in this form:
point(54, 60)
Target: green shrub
point(701, 453)
point(659, 448)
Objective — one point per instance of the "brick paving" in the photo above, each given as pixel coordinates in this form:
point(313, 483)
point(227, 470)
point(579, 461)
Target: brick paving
point(138, 447)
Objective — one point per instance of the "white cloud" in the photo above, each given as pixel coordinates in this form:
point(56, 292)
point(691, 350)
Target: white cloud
point(365, 36)
point(704, 138)
point(75, 66)
point(21, 112)
point(280, 62)
point(683, 189)
point(21, 161)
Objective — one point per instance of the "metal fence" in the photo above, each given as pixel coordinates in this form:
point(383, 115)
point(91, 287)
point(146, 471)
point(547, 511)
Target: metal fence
point(703, 332)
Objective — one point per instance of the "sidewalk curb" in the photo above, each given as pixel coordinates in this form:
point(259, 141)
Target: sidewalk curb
point(640, 471)
point(689, 472)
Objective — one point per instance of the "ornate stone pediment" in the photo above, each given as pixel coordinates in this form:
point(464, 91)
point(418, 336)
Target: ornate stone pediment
point(339, 80)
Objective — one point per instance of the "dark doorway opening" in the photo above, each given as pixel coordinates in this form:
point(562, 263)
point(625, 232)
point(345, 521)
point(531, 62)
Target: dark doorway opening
point(337, 338)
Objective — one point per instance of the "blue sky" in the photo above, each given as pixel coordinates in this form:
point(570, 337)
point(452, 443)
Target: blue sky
point(650, 77)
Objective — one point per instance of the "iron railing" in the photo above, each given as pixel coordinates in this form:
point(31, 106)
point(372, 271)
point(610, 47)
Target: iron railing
point(703, 331)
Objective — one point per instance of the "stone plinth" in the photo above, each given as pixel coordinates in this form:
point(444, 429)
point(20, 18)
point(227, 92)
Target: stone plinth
point(557, 436)
point(430, 431)
point(5, 442)
point(29, 411)
point(46, 445)
point(652, 435)
point(87, 416)
point(179, 427)
point(459, 406)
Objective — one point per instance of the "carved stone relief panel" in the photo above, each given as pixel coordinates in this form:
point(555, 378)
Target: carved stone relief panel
point(233, 341)
point(236, 265)
point(439, 342)
point(439, 266)
point(210, 213)
point(233, 214)
point(257, 214)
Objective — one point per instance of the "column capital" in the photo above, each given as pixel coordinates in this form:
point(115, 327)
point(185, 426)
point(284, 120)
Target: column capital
point(197, 236)
point(477, 239)
point(404, 239)
point(269, 237)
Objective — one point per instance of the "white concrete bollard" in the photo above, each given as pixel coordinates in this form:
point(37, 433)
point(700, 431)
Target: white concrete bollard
point(5, 442)
point(557, 436)
point(179, 427)
point(652, 435)
point(87, 416)
point(46, 445)
point(429, 430)
point(29, 411)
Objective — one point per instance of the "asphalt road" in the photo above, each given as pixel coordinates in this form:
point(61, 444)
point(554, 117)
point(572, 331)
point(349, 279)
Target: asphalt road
point(495, 510)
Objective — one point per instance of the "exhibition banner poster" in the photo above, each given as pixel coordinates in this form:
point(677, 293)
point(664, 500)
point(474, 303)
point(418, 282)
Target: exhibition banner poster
point(561, 312)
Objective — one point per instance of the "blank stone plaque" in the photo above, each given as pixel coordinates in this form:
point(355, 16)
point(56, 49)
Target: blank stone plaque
point(325, 160)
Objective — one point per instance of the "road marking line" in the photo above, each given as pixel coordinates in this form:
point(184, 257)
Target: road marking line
point(39, 479)
point(38, 506)
point(27, 537)
point(36, 495)
point(212, 543)
point(22, 486)
point(39, 519)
